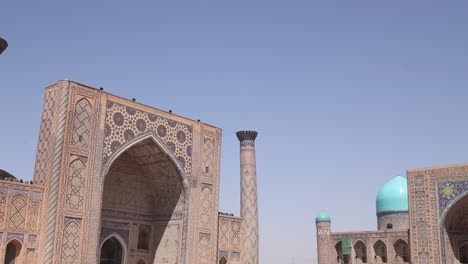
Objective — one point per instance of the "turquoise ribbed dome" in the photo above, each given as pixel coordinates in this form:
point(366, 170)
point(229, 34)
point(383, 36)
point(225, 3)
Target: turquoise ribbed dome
point(393, 196)
point(322, 217)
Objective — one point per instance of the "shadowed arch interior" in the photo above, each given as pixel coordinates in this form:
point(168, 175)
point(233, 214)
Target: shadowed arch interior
point(339, 252)
point(360, 252)
point(111, 252)
point(143, 197)
point(380, 252)
point(12, 252)
point(455, 231)
point(223, 260)
point(401, 251)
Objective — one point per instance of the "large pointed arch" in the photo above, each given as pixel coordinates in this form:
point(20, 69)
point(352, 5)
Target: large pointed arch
point(147, 146)
point(159, 144)
point(454, 229)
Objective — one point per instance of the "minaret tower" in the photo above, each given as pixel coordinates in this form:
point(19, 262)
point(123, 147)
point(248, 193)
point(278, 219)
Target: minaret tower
point(323, 224)
point(249, 204)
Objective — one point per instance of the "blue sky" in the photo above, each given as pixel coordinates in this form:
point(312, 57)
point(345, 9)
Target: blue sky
point(345, 95)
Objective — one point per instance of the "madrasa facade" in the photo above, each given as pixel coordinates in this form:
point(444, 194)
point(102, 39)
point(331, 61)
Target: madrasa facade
point(119, 182)
point(421, 218)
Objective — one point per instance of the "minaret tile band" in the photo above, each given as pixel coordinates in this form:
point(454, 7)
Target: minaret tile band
point(249, 203)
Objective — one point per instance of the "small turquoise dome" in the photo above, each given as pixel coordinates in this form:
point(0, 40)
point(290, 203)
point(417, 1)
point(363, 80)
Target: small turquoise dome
point(322, 217)
point(393, 196)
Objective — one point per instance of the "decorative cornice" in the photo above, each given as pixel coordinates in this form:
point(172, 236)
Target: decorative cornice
point(246, 135)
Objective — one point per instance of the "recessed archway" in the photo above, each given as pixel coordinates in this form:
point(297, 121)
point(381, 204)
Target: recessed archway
point(339, 252)
point(223, 260)
point(455, 231)
point(143, 187)
point(12, 252)
point(112, 252)
point(360, 252)
point(380, 252)
point(401, 251)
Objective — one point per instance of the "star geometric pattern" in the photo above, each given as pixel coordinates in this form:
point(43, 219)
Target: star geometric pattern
point(18, 211)
point(124, 123)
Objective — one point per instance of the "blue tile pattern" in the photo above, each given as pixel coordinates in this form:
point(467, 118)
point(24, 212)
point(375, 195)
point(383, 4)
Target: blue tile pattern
point(449, 191)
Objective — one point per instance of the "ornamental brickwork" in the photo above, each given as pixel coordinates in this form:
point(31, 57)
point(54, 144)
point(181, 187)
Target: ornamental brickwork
point(230, 238)
point(433, 192)
point(111, 172)
point(20, 208)
point(435, 232)
point(114, 175)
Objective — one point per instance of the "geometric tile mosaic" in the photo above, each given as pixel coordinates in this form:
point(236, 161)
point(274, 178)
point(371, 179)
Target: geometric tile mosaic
point(74, 199)
point(449, 191)
point(18, 211)
point(81, 123)
point(70, 243)
point(124, 123)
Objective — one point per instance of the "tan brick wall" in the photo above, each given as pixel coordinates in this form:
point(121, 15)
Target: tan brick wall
point(20, 209)
point(83, 131)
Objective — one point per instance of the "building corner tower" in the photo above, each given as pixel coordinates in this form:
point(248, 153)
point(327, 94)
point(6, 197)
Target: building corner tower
point(249, 203)
point(323, 225)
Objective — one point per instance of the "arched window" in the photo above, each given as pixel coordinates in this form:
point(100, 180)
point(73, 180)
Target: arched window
point(360, 252)
point(111, 252)
point(463, 251)
point(12, 252)
point(401, 251)
point(143, 238)
point(223, 260)
point(141, 262)
point(380, 251)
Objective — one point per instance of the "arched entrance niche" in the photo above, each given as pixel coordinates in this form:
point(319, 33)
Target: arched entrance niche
point(380, 252)
point(360, 252)
point(223, 260)
point(401, 251)
point(12, 252)
point(339, 252)
point(455, 231)
point(144, 203)
point(112, 251)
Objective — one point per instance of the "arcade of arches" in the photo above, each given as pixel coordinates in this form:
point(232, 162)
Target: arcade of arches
point(379, 252)
point(421, 218)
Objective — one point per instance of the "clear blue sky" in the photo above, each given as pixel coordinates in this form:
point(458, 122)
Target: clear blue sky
point(345, 95)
